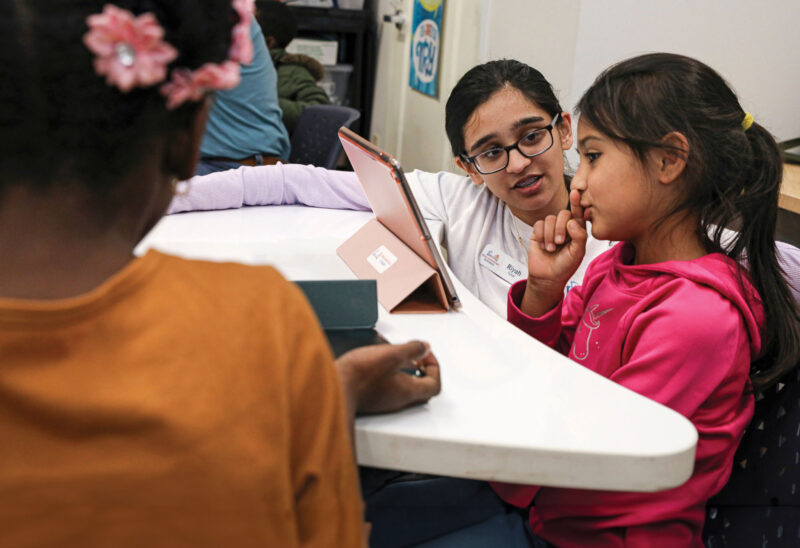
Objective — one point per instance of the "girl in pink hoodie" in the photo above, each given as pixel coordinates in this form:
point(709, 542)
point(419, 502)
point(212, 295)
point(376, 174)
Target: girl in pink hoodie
point(668, 158)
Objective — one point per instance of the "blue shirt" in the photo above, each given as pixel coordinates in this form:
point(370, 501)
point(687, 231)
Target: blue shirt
point(247, 120)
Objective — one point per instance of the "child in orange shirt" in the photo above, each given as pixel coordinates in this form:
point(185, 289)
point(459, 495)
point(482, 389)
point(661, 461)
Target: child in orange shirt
point(154, 401)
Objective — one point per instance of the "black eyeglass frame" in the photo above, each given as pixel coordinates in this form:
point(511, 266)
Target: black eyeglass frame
point(507, 149)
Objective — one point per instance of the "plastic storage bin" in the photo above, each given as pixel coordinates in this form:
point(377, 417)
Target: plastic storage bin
point(324, 51)
point(313, 3)
point(351, 4)
point(336, 82)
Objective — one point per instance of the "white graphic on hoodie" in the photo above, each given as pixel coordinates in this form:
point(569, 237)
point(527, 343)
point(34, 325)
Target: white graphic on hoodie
point(591, 320)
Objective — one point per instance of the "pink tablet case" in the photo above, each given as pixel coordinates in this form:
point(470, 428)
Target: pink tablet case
point(391, 248)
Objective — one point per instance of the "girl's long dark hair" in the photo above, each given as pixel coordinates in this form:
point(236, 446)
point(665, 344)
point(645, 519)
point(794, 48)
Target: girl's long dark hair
point(732, 177)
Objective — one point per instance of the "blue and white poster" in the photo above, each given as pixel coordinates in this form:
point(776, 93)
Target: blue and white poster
point(425, 45)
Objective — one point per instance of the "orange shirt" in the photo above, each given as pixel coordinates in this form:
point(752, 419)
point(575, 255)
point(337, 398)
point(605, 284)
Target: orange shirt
point(181, 403)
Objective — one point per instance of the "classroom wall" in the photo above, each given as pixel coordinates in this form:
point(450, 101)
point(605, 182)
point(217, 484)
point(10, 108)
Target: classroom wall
point(405, 122)
point(392, 61)
point(541, 33)
point(753, 45)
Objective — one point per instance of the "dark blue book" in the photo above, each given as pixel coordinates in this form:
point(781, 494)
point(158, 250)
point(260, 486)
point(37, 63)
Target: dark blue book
point(347, 311)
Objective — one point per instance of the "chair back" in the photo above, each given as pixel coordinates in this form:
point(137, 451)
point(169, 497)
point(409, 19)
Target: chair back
point(760, 505)
point(786, 147)
point(315, 140)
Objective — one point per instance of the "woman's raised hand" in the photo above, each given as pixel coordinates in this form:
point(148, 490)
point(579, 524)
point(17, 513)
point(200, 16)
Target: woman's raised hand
point(557, 247)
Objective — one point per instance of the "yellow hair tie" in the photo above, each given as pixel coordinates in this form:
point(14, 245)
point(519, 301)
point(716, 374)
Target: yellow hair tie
point(748, 121)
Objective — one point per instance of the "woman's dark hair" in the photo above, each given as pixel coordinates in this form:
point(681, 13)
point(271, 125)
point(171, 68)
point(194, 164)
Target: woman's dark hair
point(483, 81)
point(59, 119)
point(277, 21)
point(731, 180)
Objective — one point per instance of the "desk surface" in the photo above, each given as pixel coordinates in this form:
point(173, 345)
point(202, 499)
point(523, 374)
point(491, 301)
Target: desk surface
point(790, 189)
point(510, 409)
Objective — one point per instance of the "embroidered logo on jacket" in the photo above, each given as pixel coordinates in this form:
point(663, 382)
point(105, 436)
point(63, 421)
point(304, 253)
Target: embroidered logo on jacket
point(570, 285)
point(591, 321)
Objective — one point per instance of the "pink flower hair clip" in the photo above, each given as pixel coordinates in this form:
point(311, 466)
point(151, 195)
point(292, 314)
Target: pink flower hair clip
point(241, 49)
point(186, 85)
point(129, 51)
point(192, 85)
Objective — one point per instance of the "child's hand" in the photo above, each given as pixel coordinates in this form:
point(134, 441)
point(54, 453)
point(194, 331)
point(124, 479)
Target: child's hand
point(557, 247)
point(375, 382)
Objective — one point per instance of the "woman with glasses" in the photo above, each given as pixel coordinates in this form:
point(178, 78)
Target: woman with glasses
point(507, 131)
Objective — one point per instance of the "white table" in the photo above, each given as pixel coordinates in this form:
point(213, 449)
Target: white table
point(510, 408)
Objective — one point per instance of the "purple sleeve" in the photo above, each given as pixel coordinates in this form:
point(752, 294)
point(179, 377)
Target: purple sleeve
point(789, 261)
point(281, 184)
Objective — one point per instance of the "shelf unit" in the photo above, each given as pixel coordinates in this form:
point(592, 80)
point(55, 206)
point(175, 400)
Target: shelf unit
point(356, 34)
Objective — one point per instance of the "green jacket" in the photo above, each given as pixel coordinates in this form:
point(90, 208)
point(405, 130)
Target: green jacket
point(297, 84)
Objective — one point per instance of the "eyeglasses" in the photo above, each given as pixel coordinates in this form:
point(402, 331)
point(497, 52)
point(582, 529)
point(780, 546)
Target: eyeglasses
point(532, 144)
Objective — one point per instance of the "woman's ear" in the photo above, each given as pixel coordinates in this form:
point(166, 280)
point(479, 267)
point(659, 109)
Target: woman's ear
point(470, 169)
point(183, 146)
point(670, 160)
point(564, 127)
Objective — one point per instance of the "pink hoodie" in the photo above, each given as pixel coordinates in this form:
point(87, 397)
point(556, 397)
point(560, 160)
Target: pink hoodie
point(682, 333)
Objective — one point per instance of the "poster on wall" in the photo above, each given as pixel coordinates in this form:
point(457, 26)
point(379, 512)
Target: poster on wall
point(425, 45)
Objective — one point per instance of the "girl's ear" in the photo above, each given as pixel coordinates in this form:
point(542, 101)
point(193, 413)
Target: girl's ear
point(564, 127)
point(470, 169)
point(670, 160)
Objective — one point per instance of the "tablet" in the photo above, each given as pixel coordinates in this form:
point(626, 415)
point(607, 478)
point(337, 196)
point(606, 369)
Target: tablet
point(393, 203)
